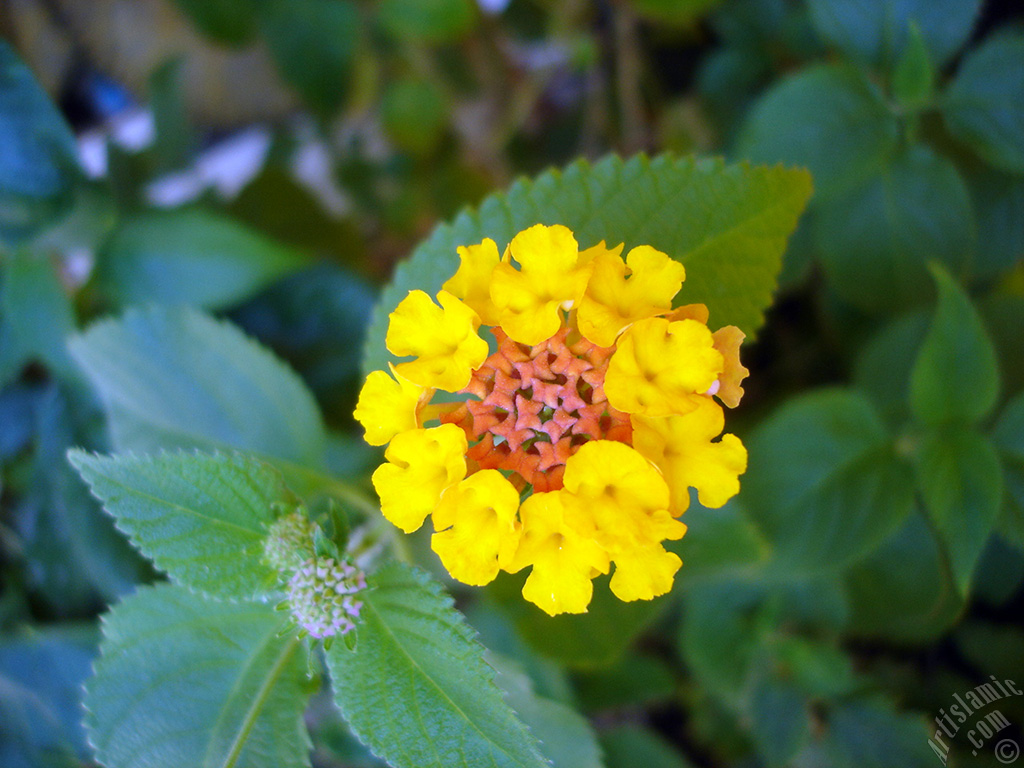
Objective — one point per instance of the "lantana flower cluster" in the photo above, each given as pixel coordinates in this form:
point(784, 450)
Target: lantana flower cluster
point(579, 434)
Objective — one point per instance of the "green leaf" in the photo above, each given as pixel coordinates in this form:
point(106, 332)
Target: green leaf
point(1009, 438)
point(76, 554)
point(431, 21)
point(175, 378)
point(189, 257)
point(956, 375)
point(876, 31)
point(414, 114)
point(183, 681)
point(38, 312)
point(779, 720)
point(566, 738)
point(176, 140)
point(961, 481)
point(882, 369)
point(902, 592)
point(30, 733)
point(863, 734)
point(877, 239)
point(416, 689)
point(984, 105)
point(913, 82)
point(719, 542)
point(629, 746)
point(823, 482)
point(52, 664)
point(818, 669)
point(314, 44)
point(38, 155)
point(828, 118)
point(227, 21)
point(999, 203)
point(635, 681)
point(722, 628)
point(201, 518)
point(727, 223)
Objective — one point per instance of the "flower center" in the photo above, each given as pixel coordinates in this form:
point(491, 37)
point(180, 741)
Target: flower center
point(536, 406)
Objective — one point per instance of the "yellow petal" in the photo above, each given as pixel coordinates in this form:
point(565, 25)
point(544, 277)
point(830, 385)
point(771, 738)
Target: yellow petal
point(682, 448)
point(615, 496)
point(658, 366)
point(727, 341)
point(472, 282)
point(477, 528)
point(530, 300)
point(644, 573)
point(387, 406)
point(443, 339)
point(422, 464)
point(563, 561)
point(620, 293)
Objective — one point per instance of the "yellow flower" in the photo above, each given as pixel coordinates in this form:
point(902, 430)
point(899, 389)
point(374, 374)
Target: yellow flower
point(620, 293)
point(444, 339)
point(422, 464)
point(659, 365)
point(387, 406)
point(563, 561)
point(477, 527)
point(727, 341)
point(530, 300)
point(644, 572)
point(472, 282)
point(582, 432)
point(681, 447)
point(615, 496)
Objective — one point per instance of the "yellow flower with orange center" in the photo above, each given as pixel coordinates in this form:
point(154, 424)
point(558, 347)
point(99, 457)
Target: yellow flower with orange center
point(582, 429)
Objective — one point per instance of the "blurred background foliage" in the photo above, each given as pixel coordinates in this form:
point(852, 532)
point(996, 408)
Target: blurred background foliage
point(269, 161)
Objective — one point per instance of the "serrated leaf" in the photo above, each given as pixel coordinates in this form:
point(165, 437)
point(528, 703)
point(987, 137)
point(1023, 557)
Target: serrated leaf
point(875, 32)
point(873, 733)
point(823, 482)
point(984, 105)
point(956, 375)
point(566, 738)
point(877, 239)
point(828, 118)
point(416, 689)
point(961, 481)
point(189, 256)
point(183, 681)
point(727, 223)
point(171, 377)
point(38, 155)
point(201, 518)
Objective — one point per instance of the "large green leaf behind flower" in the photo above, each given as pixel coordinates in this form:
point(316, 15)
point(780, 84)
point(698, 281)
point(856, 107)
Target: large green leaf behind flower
point(727, 223)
